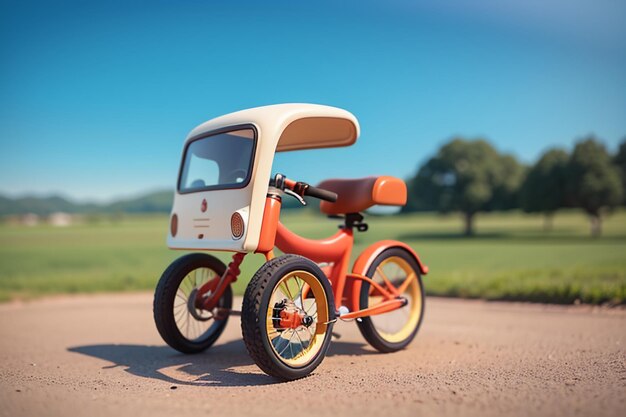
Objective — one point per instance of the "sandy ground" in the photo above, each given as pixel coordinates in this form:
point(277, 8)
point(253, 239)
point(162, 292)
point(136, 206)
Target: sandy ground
point(101, 356)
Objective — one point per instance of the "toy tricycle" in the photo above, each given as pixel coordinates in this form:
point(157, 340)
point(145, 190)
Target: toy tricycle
point(226, 201)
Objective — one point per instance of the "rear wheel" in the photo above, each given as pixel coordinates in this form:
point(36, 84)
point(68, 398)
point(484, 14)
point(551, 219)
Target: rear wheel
point(180, 324)
point(286, 317)
point(394, 330)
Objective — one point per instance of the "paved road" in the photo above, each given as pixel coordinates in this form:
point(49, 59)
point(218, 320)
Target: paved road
point(101, 356)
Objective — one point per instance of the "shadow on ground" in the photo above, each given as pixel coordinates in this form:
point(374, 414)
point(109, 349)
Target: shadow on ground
point(215, 367)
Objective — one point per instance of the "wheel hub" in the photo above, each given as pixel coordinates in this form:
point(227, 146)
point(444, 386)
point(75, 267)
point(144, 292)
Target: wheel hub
point(286, 315)
point(191, 307)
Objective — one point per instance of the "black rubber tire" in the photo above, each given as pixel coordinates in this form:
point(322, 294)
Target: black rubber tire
point(366, 326)
point(165, 294)
point(255, 304)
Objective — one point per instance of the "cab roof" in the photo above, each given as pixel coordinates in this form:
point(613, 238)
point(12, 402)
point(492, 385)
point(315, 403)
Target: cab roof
point(291, 126)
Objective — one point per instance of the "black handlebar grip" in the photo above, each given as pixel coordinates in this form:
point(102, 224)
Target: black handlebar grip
point(321, 194)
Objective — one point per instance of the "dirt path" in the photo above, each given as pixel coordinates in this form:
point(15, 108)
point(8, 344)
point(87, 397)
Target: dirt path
point(101, 355)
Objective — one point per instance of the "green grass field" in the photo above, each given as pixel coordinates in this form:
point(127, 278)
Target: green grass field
point(511, 258)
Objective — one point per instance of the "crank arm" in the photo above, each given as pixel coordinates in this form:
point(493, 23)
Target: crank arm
point(222, 313)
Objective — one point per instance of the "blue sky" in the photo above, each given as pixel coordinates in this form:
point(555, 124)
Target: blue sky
point(96, 99)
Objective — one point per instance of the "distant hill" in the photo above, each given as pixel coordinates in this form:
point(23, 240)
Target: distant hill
point(156, 202)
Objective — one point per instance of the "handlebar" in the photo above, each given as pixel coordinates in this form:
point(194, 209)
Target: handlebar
point(320, 193)
point(302, 188)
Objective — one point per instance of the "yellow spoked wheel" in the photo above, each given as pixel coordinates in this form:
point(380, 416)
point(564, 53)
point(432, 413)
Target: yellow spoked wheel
point(286, 317)
point(296, 323)
point(396, 329)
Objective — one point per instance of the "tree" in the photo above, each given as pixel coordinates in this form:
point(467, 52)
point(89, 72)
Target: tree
point(506, 189)
point(543, 190)
point(466, 176)
point(620, 161)
point(594, 182)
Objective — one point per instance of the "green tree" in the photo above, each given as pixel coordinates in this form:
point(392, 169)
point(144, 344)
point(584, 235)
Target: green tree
point(594, 182)
point(543, 190)
point(620, 161)
point(467, 176)
point(506, 189)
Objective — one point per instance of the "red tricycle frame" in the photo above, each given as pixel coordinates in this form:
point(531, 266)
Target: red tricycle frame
point(332, 253)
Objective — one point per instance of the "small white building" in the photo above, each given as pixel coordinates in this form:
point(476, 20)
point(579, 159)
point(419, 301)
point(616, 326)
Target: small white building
point(60, 219)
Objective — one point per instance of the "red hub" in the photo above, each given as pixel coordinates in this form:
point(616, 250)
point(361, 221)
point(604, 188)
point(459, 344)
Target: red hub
point(290, 320)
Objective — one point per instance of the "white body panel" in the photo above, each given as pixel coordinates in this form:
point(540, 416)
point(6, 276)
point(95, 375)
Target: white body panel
point(337, 127)
point(214, 224)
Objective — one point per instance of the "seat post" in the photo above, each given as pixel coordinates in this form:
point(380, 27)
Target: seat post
point(353, 220)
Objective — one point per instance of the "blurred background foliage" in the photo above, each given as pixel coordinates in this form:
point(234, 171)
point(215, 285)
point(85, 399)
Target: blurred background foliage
point(471, 176)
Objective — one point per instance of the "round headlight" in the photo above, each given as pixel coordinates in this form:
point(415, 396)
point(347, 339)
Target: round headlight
point(236, 225)
point(174, 225)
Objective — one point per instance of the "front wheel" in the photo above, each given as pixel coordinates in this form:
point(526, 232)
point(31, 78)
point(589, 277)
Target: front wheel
point(394, 330)
point(287, 316)
point(181, 325)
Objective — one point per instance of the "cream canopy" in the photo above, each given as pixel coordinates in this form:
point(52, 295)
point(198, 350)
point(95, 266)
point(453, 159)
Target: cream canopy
point(290, 127)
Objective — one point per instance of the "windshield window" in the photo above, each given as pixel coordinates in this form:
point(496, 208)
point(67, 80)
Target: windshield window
point(223, 160)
